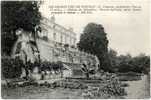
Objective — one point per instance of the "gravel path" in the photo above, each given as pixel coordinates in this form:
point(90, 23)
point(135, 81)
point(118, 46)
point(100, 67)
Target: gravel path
point(138, 89)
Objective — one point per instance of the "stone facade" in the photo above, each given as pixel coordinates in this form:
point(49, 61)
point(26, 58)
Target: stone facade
point(56, 32)
point(61, 44)
point(54, 43)
point(58, 47)
point(52, 52)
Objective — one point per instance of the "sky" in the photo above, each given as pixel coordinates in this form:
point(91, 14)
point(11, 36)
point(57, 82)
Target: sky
point(127, 32)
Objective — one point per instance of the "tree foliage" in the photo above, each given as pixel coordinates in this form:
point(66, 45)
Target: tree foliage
point(17, 14)
point(94, 41)
point(112, 54)
point(11, 68)
point(127, 63)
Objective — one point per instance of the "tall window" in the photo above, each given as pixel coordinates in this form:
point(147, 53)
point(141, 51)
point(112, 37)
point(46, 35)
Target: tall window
point(74, 41)
point(61, 38)
point(54, 36)
point(70, 41)
point(54, 26)
point(65, 39)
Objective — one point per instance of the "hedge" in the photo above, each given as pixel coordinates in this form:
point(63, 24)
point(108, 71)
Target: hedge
point(11, 68)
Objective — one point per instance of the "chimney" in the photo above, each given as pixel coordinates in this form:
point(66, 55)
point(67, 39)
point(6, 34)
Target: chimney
point(71, 29)
point(52, 19)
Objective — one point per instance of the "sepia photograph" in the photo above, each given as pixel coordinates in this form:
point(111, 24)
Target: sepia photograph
point(75, 49)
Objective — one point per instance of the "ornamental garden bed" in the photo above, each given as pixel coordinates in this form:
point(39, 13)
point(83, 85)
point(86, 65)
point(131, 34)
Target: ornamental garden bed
point(78, 87)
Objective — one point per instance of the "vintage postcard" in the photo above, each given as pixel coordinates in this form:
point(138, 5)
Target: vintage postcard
point(75, 49)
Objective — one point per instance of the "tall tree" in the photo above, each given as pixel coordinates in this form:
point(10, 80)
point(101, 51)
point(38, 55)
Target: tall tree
point(15, 15)
point(94, 41)
point(113, 57)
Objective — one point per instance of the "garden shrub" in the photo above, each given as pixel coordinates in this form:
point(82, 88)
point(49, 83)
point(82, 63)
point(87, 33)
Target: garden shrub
point(111, 87)
point(45, 65)
point(11, 68)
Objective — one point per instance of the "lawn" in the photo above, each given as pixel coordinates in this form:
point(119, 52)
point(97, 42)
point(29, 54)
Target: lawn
point(40, 92)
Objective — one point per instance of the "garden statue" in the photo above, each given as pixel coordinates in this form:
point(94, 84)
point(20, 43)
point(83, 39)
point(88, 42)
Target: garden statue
point(24, 49)
point(87, 71)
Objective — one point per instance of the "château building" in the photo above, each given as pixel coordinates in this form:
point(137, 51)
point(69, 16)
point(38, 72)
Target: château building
point(54, 43)
point(56, 32)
